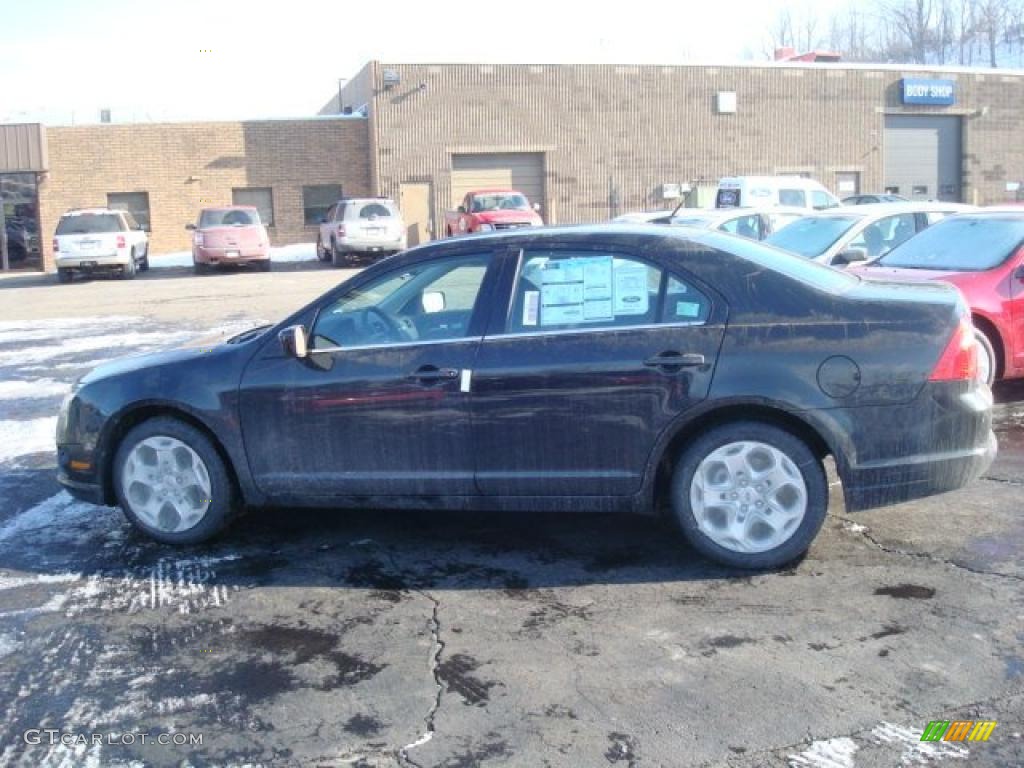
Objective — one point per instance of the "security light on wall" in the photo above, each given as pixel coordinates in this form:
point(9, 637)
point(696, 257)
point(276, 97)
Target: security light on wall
point(725, 102)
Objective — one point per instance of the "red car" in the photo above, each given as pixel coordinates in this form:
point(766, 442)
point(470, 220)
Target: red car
point(490, 210)
point(982, 254)
point(232, 234)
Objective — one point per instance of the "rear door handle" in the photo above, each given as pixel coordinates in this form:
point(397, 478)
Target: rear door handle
point(430, 373)
point(675, 360)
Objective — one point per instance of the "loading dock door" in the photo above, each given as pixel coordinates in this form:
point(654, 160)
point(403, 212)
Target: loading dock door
point(523, 171)
point(923, 156)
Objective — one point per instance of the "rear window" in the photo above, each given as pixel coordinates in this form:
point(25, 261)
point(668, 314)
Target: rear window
point(960, 244)
point(372, 210)
point(809, 272)
point(89, 224)
point(811, 236)
point(231, 218)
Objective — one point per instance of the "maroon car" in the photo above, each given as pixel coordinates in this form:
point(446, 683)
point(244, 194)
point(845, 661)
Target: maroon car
point(229, 235)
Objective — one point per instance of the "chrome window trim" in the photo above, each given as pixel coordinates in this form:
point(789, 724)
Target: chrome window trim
point(602, 329)
point(396, 345)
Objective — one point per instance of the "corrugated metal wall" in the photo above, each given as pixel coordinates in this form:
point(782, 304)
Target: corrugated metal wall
point(23, 148)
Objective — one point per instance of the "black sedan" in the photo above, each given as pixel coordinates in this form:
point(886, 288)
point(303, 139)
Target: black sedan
point(606, 368)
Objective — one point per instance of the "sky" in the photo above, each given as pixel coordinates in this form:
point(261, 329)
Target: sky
point(62, 61)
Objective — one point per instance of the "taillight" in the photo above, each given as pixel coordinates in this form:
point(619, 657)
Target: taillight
point(199, 239)
point(120, 241)
point(341, 230)
point(56, 245)
point(959, 361)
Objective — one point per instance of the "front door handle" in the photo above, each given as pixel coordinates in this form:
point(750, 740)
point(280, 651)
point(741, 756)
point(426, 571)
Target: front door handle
point(430, 373)
point(673, 361)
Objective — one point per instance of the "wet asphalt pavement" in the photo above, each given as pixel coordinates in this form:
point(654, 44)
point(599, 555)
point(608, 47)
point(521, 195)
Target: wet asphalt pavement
point(428, 639)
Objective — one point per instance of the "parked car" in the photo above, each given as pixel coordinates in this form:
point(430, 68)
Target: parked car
point(491, 210)
point(358, 228)
point(981, 254)
point(753, 224)
point(850, 234)
point(92, 240)
point(230, 234)
point(575, 369)
point(759, 191)
point(873, 198)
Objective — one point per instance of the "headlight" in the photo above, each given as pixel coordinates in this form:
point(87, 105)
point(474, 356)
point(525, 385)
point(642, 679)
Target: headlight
point(62, 416)
point(485, 228)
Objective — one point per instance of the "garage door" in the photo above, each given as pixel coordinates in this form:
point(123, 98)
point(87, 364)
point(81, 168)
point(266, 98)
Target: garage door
point(521, 170)
point(922, 156)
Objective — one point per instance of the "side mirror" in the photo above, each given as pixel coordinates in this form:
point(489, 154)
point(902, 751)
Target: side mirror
point(434, 301)
point(293, 341)
point(190, 227)
point(849, 256)
point(536, 207)
point(462, 209)
point(1019, 274)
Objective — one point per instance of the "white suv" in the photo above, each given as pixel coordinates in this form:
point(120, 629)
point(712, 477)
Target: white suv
point(99, 239)
point(362, 226)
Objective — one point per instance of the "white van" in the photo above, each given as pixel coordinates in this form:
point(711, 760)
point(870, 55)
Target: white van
point(761, 191)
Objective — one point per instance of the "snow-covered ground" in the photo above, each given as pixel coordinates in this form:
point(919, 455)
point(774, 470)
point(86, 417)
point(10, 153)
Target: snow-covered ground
point(283, 254)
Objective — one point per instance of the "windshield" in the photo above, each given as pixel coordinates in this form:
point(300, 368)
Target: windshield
point(499, 202)
point(228, 218)
point(959, 244)
point(89, 224)
point(811, 236)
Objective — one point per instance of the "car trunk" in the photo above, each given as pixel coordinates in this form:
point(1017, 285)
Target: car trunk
point(231, 238)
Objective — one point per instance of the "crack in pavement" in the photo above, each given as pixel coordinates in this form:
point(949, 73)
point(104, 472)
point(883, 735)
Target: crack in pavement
point(1003, 480)
point(863, 530)
point(437, 648)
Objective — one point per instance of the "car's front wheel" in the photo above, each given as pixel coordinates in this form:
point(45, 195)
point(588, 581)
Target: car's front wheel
point(64, 275)
point(171, 482)
point(750, 495)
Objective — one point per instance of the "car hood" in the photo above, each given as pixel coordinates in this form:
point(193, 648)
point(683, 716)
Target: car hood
point(501, 217)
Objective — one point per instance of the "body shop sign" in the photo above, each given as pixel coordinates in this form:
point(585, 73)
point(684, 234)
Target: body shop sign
point(922, 91)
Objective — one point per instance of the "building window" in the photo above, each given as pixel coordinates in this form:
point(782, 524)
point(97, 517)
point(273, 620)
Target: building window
point(317, 200)
point(136, 203)
point(260, 198)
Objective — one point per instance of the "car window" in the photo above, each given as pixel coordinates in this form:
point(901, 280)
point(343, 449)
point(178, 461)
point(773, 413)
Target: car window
point(684, 303)
point(820, 200)
point(780, 220)
point(935, 216)
point(960, 244)
point(795, 197)
point(744, 226)
point(558, 290)
point(883, 235)
point(500, 201)
point(811, 236)
point(374, 211)
point(427, 302)
point(229, 218)
point(329, 216)
point(132, 223)
point(89, 224)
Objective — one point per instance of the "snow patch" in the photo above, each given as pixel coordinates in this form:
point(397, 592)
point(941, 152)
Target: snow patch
point(278, 254)
point(22, 438)
point(14, 582)
point(30, 390)
point(79, 344)
point(831, 753)
point(8, 645)
point(915, 751)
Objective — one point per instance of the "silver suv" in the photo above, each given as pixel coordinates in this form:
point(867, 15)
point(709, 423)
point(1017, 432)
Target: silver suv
point(99, 240)
point(360, 227)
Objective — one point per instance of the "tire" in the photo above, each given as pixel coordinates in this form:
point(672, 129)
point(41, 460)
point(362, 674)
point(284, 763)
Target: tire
point(64, 275)
point(321, 252)
point(794, 462)
point(338, 258)
point(224, 501)
point(991, 362)
point(200, 268)
point(128, 270)
point(264, 266)
point(144, 263)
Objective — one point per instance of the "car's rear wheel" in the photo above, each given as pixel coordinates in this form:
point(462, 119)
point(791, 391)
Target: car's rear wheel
point(338, 257)
point(144, 262)
point(988, 364)
point(64, 275)
point(264, 266)
point(171, 482)
point(750, 495)
point(128, 270)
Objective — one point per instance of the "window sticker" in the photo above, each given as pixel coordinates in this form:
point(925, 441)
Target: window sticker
point(531, 307)
point(687, 309)
point(576, 290)
point(630, 295)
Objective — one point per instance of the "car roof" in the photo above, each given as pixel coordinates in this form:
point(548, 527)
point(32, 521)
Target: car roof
point(493, 190)
point(890, 209)
point(229, 208)
point(368, 199)
point(90, 211)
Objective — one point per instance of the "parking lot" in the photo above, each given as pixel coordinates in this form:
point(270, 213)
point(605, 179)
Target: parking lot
point(307, 638)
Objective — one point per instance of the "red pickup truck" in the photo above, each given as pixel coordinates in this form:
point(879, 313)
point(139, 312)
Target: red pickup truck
point(487, 210)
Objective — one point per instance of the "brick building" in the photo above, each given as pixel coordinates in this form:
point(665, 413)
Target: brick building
point(586, 142)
